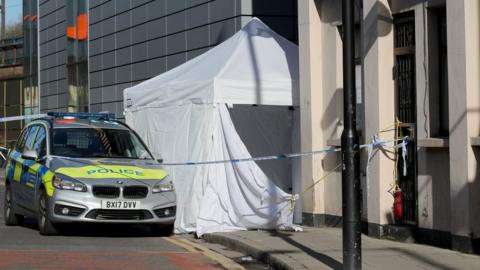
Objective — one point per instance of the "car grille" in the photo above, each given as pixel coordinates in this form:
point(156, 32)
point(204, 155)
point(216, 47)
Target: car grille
point(106, 214)
point(106, 191)
point(135, 192)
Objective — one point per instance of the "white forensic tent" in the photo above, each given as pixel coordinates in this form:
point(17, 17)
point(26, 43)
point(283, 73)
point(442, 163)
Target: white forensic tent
point(202, 111)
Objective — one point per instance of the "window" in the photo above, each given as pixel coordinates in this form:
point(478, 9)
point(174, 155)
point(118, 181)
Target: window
point(32, 132)
point(40, 142)
point(102, 143)
point(77, 55)
point(438, 72)
point(21, 140)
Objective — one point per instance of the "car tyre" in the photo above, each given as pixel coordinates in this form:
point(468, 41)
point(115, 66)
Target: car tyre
point(45, 226)
point(162, 229)
point(11, 219)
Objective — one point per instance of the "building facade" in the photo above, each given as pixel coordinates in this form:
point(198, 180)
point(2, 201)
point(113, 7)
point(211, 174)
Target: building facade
point(11, 98)
point(418, 62)
point(90, 51)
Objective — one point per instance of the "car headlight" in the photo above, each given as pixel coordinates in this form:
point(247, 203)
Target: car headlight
point(68, 184)
point(165, 185)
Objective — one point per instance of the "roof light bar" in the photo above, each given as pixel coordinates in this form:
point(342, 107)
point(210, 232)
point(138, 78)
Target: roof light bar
point(105, 116)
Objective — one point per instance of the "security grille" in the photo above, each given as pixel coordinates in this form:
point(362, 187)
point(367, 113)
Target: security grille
point(404, 73)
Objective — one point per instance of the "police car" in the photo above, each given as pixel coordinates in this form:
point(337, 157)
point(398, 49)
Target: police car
point(70, 167)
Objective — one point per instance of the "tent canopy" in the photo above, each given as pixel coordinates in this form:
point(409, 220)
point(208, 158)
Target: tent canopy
point(254, 66)
point(183, 115)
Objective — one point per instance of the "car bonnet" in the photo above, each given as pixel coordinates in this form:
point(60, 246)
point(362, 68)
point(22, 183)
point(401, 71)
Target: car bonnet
point(99, 170)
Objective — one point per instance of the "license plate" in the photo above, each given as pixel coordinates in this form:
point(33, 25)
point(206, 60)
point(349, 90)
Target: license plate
point(113, 204)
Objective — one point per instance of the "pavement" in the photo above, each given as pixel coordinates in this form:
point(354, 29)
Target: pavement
point(321, 248)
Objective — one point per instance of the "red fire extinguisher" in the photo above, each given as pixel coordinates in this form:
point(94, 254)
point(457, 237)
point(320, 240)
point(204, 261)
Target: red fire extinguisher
point(397, 204)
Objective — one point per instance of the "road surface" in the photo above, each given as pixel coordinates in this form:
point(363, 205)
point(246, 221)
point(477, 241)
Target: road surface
point(99, 247)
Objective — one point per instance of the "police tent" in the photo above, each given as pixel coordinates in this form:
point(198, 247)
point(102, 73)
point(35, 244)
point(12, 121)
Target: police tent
point(235, 101)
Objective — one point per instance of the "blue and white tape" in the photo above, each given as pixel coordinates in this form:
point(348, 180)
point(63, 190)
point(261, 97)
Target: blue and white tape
point(330, 149)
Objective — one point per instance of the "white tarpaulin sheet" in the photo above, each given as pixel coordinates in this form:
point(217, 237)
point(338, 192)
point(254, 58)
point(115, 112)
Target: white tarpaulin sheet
point(182, 115)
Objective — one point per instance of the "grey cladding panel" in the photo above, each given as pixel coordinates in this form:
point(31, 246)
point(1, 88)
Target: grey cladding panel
point(156, 9)
point(157, 47)
point(62, 86)
point(195, 53)
point(221, 31)
point(123, 21)
point(124, 74)
point(108, 60)
point(190, 3)
point(124, 56)
point(156, 28)
point(94, 3)
point(62, 100)
point(108, 26)
point(108, 9)
point(108, 77)
point(197, 38)
point(139, 52)
point(136, 3)
point(176, 60)
point(119, 90)
point(157, 66)
point(47, 8)
point(95, 31)
point(139, 15)
point(108, 94)
point(95, 95)
point(95, 79)
point(139, 33)
point(122, 6)
point(95, 15)
point(175, 6)
point(123, 38)
point(176, 22)
point(197, 16)
point(95, 46)
point(176, 43)
point(108, 43)
point(139, 71)
point(220, 10)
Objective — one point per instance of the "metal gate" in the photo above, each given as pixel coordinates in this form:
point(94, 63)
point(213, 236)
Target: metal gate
point(404, 74)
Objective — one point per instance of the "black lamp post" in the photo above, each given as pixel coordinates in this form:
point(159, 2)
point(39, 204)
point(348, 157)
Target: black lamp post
point(351, 190)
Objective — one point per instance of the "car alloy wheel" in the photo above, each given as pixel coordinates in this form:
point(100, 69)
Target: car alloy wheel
point(45, 227)
point(11, 219)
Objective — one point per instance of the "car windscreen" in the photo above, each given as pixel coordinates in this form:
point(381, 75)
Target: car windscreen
point(97, 143)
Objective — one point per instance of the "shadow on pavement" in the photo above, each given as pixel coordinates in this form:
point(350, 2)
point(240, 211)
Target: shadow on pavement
point(327, 260)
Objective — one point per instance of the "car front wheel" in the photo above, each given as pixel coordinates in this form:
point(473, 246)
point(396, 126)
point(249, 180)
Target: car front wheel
point(11, 219)
point(45, 226)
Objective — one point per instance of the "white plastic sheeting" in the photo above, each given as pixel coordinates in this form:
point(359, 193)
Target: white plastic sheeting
point(182, 115)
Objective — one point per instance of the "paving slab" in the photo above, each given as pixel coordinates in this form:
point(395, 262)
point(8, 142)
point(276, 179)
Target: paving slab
point(321, 248)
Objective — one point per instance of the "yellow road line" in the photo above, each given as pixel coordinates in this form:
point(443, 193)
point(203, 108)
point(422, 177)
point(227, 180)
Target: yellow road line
point(194, 247)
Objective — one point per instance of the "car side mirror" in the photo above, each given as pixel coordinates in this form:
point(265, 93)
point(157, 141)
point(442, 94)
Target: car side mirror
point(160, 160)
point(30, 155)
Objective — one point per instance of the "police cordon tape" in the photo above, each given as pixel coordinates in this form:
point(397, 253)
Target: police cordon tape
point(22, 117)
point(330, 149)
